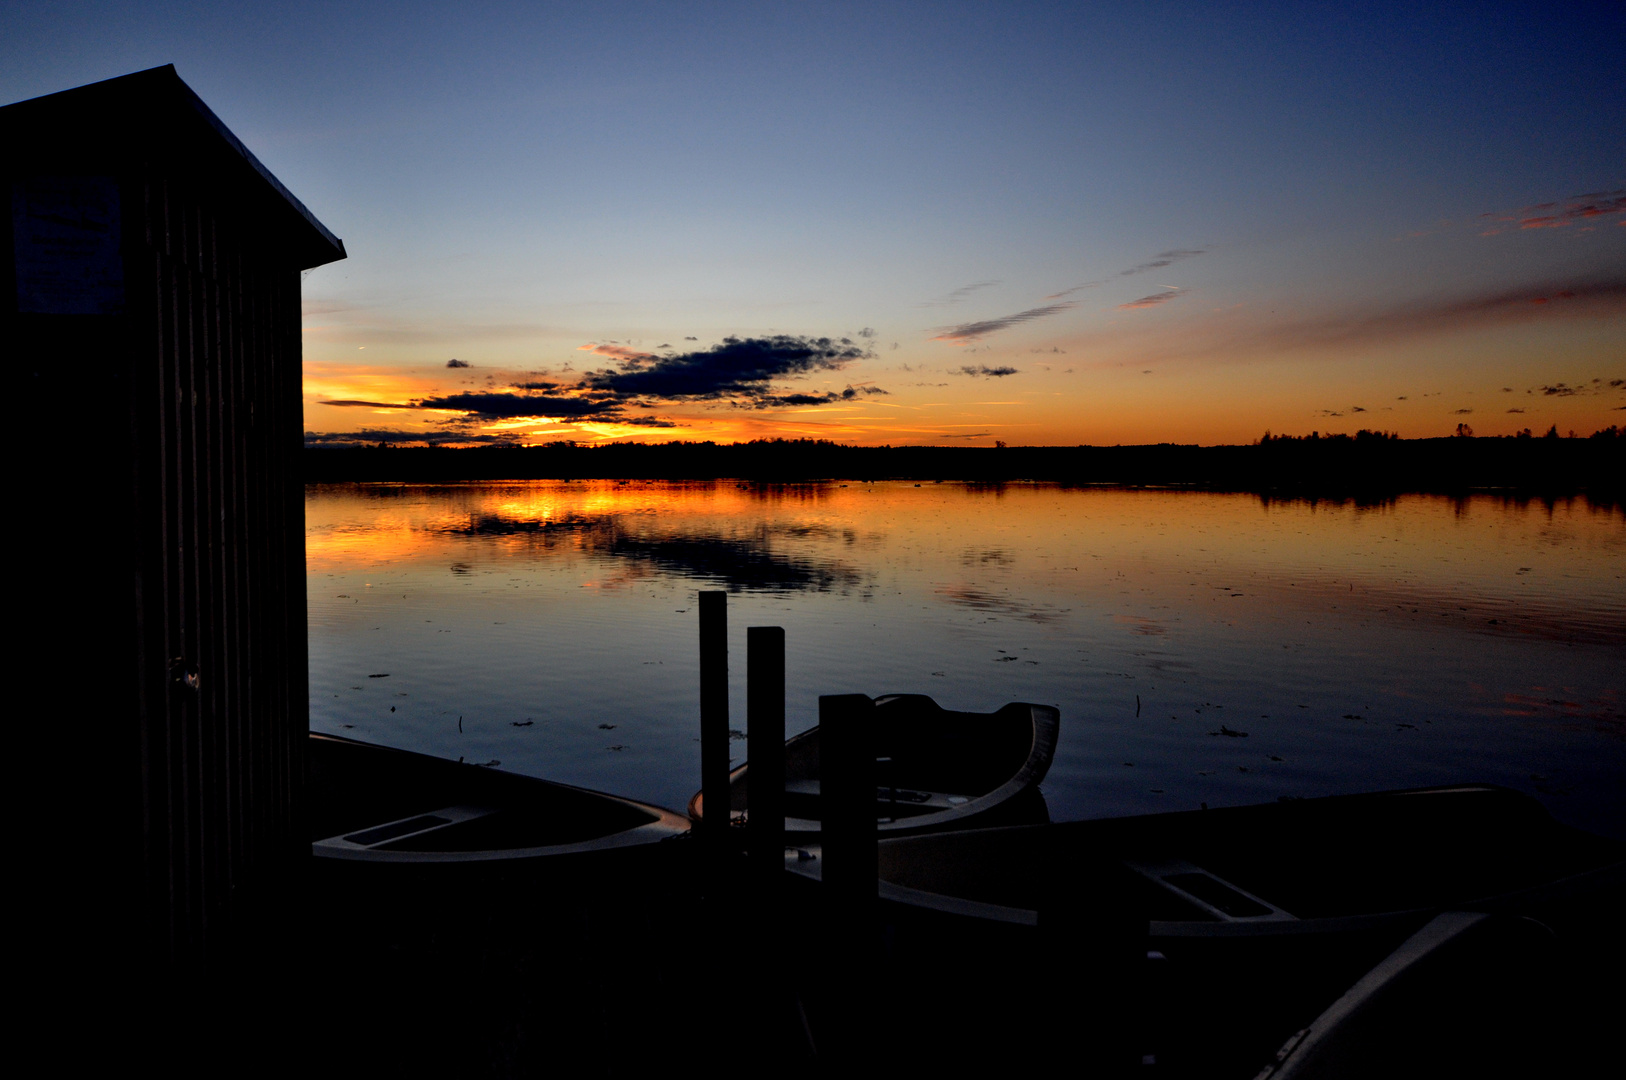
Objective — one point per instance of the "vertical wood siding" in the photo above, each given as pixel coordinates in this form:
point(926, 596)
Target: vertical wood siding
point(218, 414)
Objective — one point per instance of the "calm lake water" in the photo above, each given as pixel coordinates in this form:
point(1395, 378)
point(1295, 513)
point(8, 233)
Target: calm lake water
point(553, 627)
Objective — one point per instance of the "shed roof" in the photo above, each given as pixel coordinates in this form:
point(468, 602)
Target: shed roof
point(149, 109)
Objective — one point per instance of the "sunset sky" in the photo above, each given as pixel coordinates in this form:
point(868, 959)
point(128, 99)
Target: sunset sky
point(932, 223)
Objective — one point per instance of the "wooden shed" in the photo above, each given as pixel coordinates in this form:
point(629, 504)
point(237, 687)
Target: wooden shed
point(151, 313)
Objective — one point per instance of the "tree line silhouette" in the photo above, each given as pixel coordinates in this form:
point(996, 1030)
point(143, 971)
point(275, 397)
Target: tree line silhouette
point(1368, 462)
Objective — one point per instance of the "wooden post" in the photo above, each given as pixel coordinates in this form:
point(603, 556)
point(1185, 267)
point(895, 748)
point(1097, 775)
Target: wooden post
point(714, 715)
point(768, 1007)
point(847, 810)
point(765, 750)
point(847, 795)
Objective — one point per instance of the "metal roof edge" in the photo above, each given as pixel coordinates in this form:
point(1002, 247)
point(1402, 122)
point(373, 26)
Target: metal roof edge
point(166, 78)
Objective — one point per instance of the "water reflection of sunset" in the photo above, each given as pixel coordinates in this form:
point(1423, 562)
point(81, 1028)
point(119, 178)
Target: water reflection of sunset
point(1257, 554)
point(1417, 640)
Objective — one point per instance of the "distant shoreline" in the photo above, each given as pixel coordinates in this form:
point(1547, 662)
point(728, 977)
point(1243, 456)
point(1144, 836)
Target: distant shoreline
point(1375, 465)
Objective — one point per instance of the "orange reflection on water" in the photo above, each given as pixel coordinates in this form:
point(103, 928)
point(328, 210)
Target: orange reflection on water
point(1031, 550)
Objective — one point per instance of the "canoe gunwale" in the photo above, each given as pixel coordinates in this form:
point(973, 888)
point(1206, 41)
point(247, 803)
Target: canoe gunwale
point(1045, 721)
point(804, 860)
point(657, 825)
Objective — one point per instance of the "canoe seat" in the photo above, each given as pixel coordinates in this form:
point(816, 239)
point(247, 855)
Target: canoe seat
point(801, 800)
point(1220, 899)
point(390, 832)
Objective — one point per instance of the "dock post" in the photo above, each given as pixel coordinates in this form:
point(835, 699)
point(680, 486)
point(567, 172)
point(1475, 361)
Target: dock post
point(768, 1008)
point(847, 792)
point(850, 874)
point(714, 717)
point(765, 750)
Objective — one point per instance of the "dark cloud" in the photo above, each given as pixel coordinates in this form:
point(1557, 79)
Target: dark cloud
point(349, 403)
point(984, 371)
point(1356, 408)
point(775, 401)
point(1460, 412)
point(737, 368)
point(976, 331)
point(1561, 390)
point(505, 406)
point(866, 333)
point(1160, 260)
point(454, 362)
point(393, 437)
point(1515, 410)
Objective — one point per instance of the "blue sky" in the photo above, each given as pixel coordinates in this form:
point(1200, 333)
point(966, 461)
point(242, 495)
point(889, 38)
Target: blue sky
point(1042, 223)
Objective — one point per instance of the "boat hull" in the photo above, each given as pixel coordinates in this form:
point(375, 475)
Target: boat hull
point(1281, 869)
point(373, 805)
point(937, 769)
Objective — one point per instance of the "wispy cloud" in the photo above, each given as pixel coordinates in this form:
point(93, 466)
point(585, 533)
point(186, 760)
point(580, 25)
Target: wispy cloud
point(966, 333)
point(1577, 209)
point(1368, 325)
point(615, 351)
point(961, 293)
point(1151, 301)
point(1162, 259)
point(984, 371)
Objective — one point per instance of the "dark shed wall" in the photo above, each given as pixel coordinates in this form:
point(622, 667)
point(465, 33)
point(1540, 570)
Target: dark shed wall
point(222, 557)
point(165, 431)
